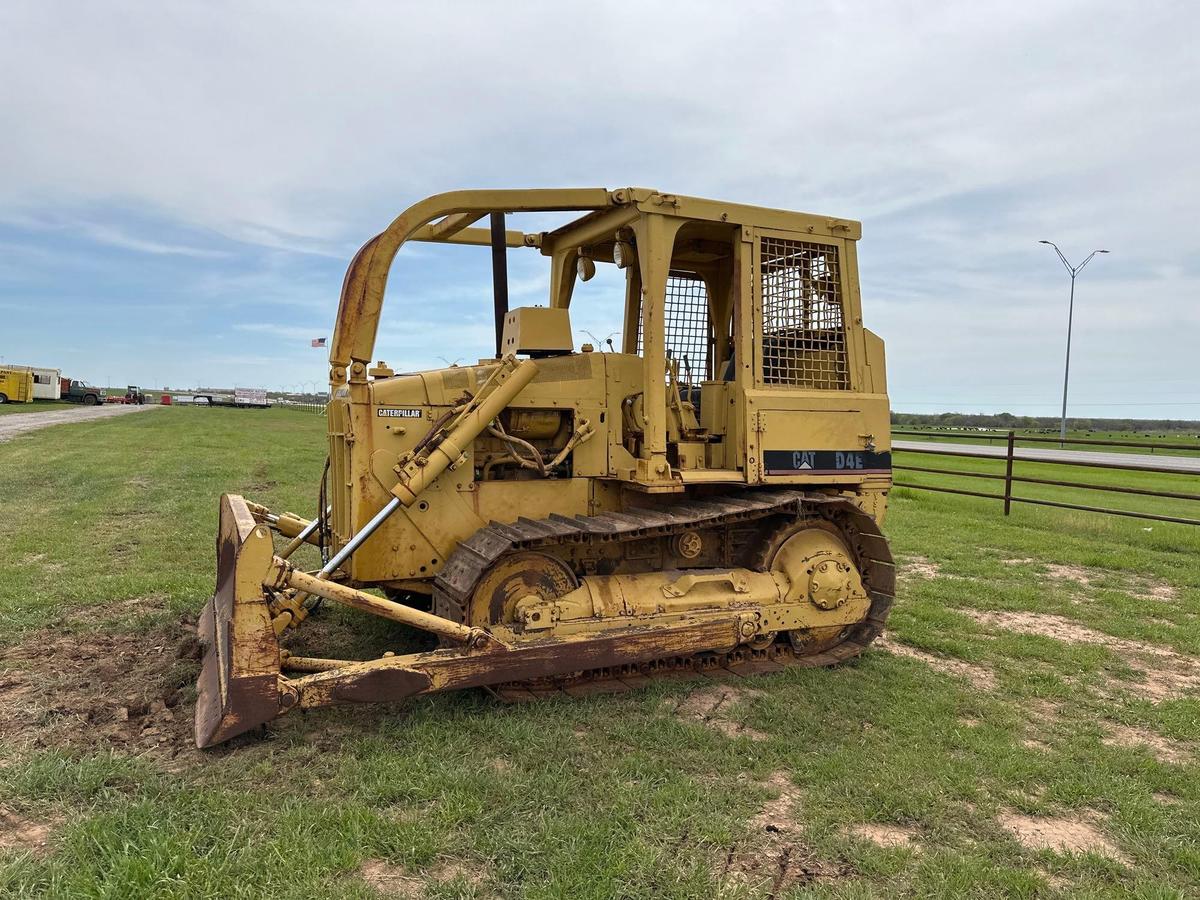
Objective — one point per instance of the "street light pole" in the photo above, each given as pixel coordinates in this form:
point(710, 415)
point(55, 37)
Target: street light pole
point(1074, 270)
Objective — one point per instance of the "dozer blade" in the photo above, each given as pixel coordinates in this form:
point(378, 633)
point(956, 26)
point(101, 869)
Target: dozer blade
point(238, 688)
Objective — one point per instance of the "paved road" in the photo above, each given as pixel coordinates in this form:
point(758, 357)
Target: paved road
point(1186, 465)
point(19, 423)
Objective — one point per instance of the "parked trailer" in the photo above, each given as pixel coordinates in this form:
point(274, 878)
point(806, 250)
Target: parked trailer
point(16, 386)
point(46, 382)
point(252, 397)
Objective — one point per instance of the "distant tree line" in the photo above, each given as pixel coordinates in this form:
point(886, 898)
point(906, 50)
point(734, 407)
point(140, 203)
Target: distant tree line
point(1008, 421)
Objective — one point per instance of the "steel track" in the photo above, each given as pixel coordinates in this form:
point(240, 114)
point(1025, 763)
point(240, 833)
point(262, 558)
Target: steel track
point(467, 565)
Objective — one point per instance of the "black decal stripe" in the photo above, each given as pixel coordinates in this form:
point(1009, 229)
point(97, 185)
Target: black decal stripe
point(829, 471)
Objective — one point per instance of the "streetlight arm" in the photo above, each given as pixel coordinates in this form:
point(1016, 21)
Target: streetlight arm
point(1066, 264)
point(1089, 259)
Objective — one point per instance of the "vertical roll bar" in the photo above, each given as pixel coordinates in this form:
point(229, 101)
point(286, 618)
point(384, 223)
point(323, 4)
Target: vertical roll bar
point(499, 274)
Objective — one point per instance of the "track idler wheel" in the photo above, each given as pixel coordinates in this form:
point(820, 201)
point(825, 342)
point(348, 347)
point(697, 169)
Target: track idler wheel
point(815, 557)
point(511, 579)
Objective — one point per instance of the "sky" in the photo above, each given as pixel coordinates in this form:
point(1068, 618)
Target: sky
point(183, 184)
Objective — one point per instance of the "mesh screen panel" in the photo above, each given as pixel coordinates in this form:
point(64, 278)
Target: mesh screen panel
point(804, 329)
point(687, 326)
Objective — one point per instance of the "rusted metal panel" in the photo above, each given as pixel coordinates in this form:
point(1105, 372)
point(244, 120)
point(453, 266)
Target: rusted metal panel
point(443, 670)
point(239, 677)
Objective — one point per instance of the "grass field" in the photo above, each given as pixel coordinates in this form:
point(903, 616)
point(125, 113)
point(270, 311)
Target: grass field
point(994, 484)
point(1029, 728)
point(1175, 443)
point(7, 409)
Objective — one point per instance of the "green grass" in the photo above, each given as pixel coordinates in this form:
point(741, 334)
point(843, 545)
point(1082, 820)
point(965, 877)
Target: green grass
point(616, 796)
point(34, 407)
point(1175, 443)
point(994, 484)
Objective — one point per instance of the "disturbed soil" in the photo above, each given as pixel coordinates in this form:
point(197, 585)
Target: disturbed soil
point(1146, 588)
point(396, 881)
point(772, 857)
point(1063, 834)
point(919, 567)
point(21, 834)
point(1161, 748)
point(1165, 673)
point(885, 835)
point(978, 675)
point(127, 690)
point(711, 706)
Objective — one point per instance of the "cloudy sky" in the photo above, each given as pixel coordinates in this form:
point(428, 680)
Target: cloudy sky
point(183, 184)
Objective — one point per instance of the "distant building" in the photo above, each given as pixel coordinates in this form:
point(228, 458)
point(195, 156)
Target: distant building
point(46, 382)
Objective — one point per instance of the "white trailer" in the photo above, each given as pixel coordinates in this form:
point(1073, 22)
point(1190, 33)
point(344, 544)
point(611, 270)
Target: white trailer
point(46, 382)
point(250, 397)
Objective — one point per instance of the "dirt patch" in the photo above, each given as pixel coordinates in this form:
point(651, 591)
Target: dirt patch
point(1161, 591)
point(391, 881)
point(41, 562)
point(1147, 588)
point(21, 834)
point(447, 871)
point(396, 881)
point(712, 706)
point(261, 483)
point(777, 813)
point(920, 567)
point(884, 835)
point(1056, 881)
point(772, 858)
point(1043, 716)
point(124, 690)
point(1166, 799)
point(980, 676)
point(1165, 673)
point(1044, 712)
point(1163, 749)
point(1062, 834)
point(1077, 574)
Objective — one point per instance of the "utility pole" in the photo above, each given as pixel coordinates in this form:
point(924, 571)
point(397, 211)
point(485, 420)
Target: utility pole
point(1074, 270)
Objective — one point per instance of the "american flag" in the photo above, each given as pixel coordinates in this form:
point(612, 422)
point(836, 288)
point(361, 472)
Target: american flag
point(318, 342)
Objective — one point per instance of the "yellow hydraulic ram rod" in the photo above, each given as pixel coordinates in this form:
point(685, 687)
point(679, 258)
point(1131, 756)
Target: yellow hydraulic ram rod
point(418, 471)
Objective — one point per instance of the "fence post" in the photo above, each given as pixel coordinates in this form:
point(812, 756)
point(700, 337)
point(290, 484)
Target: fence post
point(1008, 466)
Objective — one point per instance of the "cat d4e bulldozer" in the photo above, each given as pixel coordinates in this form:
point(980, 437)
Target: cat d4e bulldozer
point(706, 495)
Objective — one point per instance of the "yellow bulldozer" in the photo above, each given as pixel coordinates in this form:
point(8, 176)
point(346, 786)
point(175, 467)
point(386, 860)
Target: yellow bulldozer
point(709, 496)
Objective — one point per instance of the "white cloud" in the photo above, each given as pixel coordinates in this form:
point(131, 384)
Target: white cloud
point(959, 133)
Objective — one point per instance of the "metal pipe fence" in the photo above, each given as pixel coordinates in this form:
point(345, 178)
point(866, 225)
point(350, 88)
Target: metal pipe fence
point(301, 406)
point(1013, 455)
